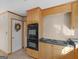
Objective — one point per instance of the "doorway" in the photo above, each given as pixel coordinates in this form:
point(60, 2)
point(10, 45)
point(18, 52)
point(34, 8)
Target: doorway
point(16, 35)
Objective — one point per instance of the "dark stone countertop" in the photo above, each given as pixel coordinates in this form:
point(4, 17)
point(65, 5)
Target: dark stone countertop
point(58, 42)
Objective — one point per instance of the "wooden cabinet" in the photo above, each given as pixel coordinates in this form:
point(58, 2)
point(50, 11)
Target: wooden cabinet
point(72, 8)
point(76, 53)
point(71, 55)
point(74, 15)
point(45, 51)
point(50, 51)
point(34, 16)
point(57, 51)
point(32, 53)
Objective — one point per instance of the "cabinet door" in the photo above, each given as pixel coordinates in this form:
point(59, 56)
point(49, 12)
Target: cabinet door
point(74, 15)
point(57, 51)
point(33, 16)
point(45, 51)
point(76, 53)
point(69, 55)
point(29, 18)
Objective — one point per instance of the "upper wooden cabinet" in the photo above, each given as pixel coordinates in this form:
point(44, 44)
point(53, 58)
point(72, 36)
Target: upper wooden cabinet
point(71, 8)
point(75, 8)
point(57, 9)
point(74, 15)
point(33, 15)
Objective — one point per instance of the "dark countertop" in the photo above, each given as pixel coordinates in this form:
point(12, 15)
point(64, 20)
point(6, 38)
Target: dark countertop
point(59, 42)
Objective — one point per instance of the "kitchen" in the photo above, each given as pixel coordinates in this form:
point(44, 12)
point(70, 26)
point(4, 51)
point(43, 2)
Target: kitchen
point(49, 33)
point(55, 32)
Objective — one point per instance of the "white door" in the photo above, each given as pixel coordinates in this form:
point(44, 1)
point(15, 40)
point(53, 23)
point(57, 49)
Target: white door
point(16, 35)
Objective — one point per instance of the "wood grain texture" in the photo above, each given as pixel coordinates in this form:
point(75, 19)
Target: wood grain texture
point(57, 9)
point(71, 55)
point(50, 51)
point(34, 16)
point(32, 53)
point(70, 7)
point(74, 15)
point(76, 53)
point(45, 51)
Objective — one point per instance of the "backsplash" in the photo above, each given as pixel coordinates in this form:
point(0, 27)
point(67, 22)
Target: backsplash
point(58, 27)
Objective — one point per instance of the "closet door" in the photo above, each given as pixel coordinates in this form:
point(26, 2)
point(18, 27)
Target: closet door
point(16, 35)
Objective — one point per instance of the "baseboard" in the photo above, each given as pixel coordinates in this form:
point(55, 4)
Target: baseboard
point(16, 51)
point(10, 52)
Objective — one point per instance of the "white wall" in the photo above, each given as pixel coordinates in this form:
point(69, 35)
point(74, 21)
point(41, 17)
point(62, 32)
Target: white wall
point(57, 26)
point(11, 17)
point(4, 32)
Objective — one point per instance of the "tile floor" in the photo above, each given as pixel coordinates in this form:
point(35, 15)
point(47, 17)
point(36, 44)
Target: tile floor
point(19, 55)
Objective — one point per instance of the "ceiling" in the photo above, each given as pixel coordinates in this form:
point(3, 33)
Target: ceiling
point(20, 6)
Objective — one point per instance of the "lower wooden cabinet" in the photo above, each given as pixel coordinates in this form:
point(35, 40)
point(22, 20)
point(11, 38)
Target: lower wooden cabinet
point(49, 51)
point(76, 53)
point(69, 55)
point(45, 51)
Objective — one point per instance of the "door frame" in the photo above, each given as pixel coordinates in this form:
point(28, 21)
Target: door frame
point(22, 32)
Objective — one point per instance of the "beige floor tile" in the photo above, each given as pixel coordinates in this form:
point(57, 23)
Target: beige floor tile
point(19, 55)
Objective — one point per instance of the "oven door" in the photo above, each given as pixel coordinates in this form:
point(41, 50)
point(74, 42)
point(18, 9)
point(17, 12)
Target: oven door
point(32, 45)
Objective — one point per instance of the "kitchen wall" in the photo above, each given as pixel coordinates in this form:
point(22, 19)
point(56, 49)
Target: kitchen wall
point(4, 32)
point(10, 17)
point(57, 26)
